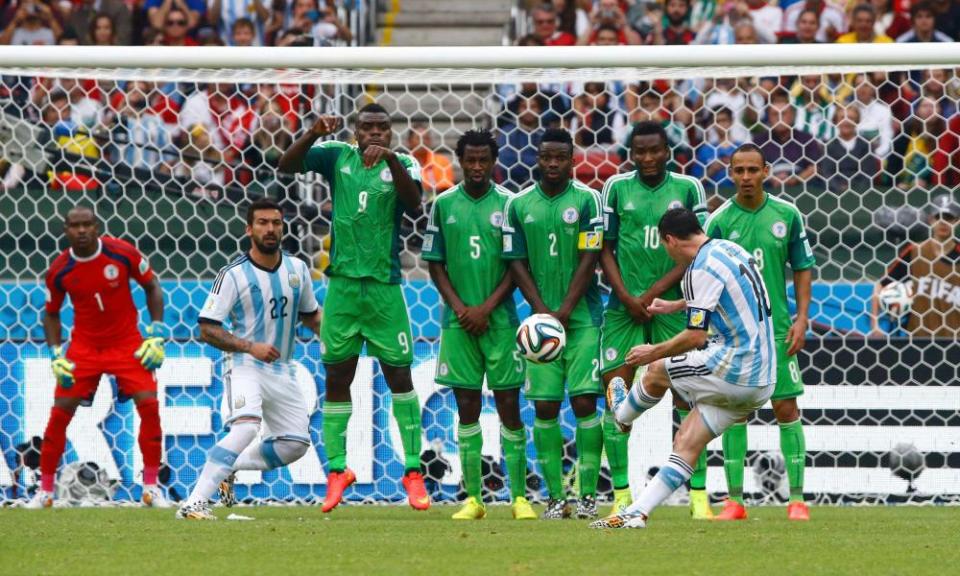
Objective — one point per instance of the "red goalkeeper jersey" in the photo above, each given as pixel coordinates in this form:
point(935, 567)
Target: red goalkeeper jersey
point(99, 287)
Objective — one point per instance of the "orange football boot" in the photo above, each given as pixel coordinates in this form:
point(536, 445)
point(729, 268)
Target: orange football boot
point(337, 482)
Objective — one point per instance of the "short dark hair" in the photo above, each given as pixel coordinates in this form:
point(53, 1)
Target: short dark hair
point(679, 222)
point(482, 137)
point(809, 11)
point(242, 23)
point(748, 147)
point(80, 208)
point(557, 135)
point(648, 128)
point(372, 108)
point(263, 203)
point(607, 28)
point(921, 7)
point(868, 8)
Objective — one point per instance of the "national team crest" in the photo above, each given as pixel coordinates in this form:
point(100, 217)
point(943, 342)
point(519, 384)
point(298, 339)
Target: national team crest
point(496, 219)
point(111, 272)
point(239, 402)
point(386, 175)
point(610, 354)
point(444, 369)
point(674, 204)
point(144, 266)
point(293, 280)
point(570, 215)
point(779, 229)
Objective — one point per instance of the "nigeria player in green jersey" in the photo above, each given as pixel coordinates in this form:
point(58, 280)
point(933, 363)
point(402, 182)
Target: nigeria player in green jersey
point(552, 235)
point(772, 230)
point(463, 247)
point(371, 186)
point(638, 270)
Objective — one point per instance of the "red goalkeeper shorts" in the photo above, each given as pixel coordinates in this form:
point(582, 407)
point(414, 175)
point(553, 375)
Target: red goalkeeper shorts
point(93, 362)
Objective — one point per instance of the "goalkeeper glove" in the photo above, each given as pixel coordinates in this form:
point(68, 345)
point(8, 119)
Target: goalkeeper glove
point(150, 353)
point(62, 368)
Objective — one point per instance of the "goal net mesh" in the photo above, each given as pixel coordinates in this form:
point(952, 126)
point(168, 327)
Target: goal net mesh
point(170, 158)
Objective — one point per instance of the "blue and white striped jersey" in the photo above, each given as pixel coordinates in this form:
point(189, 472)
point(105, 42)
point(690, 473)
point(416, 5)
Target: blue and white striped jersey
point(725, 293)
point(262, 305)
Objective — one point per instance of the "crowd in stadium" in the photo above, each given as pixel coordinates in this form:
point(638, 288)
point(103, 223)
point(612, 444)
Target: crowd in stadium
point(835, 131)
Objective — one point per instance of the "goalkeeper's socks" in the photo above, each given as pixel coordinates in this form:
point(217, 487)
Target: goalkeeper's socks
point(615, 445)
point(54, 441)
point(336, 416)
point(699, 479)
point(734, 453)
point(406, 409)
point(514, 444)
point(671, 476)
point(793, 444)
point(549, 444)
point(637, 402)
point(470, 440)
point(221, 459)
point(589, 447)
point(150, 439)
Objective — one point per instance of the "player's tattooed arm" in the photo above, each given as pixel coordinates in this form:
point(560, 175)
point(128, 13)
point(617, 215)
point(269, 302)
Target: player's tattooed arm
point(313, 321)
point(578, 285)
point(218, 337)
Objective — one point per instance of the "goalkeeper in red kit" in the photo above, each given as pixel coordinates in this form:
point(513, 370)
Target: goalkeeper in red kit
point(96, 273)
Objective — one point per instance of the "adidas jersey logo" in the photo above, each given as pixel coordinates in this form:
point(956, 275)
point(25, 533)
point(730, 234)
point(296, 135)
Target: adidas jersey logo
point(629, 206)
point(528, 219)
point(734, 235)
point(346, 170)
point(451, 219)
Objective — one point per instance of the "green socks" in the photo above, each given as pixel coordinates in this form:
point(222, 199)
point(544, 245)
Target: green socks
point(699, 479)
point(615, 444)
point(589, 448)
point(336, 416)
point(549, 444)
point(794, 448)
point(406, 409)
point(514, 444)
point(734, 454)
point(470, 440)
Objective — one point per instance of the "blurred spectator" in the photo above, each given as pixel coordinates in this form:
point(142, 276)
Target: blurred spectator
point(745, 32)
point(158, 13)
point(875, 118)
point(608, 13)
point(271, 137)
point(849, 162)
point(200, 164)
point(546, 24)
point(224, 14)
point(947, 17)
point(436, 169)
point(102, 31)
point(862, 21)
point(677, 32)
point(933, 85)
point(32, 24)
point(143, 140)
point(806, 28)
point(767, 20)
point(713, 156)
point(719, 28)
point(554, 104)
point(889, 22)
point(814, 107)
point(573, 19)
point(911, 162)
point(735, 95)
point(84, 109)
point(606, 36)
point(596, 122)
point(243, 32)
point(518, 145)
point(922, 22)
point(831, 20)
point(210, 107)
point(73, 139)
point(87, 13)
point(175, 28)
point(946, 162)
point(314, 25)
point(793, 155)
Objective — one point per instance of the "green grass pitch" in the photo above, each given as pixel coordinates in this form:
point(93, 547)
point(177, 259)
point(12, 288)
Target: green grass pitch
point(353, 540)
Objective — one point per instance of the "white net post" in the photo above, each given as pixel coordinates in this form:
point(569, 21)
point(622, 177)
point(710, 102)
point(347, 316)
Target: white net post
point(169, 156)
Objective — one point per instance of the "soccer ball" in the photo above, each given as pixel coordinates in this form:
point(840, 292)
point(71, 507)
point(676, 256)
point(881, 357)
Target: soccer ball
point(896, 298)
point(905, 461)
point(541, 338)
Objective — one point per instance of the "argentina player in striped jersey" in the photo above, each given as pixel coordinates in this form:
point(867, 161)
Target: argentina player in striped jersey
point(724, 378)
point(261, 294)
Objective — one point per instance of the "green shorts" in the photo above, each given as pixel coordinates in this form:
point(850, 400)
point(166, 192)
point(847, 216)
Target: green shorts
point(789, 383)
point(358, 310)
point(621, 333)
point(579, 366)
point(464, 359)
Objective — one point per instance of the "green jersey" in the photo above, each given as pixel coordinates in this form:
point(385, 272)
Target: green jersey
point(365, 226)
point(774, 234)
point(465, 233)
point(631, 212)
point(550, 233)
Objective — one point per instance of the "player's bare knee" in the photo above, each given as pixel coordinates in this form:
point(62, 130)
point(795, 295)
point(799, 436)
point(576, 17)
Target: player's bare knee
point(786, 410)
point(469, 405)
point(546, 410)
point(398, 378)
point(655, 381)
point(339, 377)
point(583, 406)
point(508, 408)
